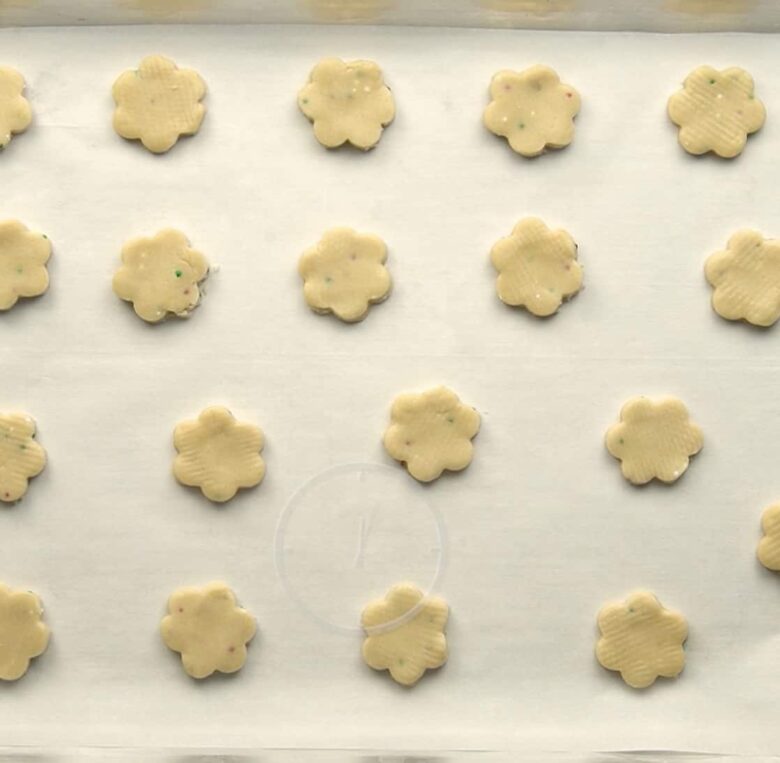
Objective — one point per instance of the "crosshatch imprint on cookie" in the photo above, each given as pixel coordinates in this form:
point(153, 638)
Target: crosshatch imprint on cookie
point(641, 640)
point(158, 103)
point(716, 111)
point(218, 454)
point(532, 109)
point(537, 267)
point(654, 439)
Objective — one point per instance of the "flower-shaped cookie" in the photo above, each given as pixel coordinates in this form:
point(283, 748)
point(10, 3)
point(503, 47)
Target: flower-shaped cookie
point(208, 628)
point(15, 112)
point(157, 103)
point(347, 101)
point(405, 633)
point(769, 545)
point(21, 457)
point(537, 267)
point(654, 439)
point(345, 274)
point(430, 432)
point(218, 454)
point(641, 639)
point(23, 635)
point(746, 279)
point(716, 111)
point(532, 109)
point(161, 276)
point(23, 258)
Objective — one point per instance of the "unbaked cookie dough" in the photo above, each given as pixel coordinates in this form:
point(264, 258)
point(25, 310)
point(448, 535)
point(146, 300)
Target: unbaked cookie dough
point(345, 274)
point(161, 276)
point(23, 634)
point(654, 439)
point(23, 258)
point(532, 109)
point(537, 267)
point(746, 279)
point(208, 628)
point(641, 639)
point(21, 457)
point(218, 454)
point(157, 103)
point(405, 633)
point(15, 112)
point(769, 545)
point(716, 111)
point(430, 432)
point(347, 102)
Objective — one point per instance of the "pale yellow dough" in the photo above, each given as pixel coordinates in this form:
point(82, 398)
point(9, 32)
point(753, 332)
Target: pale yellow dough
point(218, 454)
point(161, 276)
point(15, 112)
point(158, 102)
point(23, 258)
point(769, 545)
point(21, 457)
point(208, 628)
point(430, 432)
point(537, 267)
point(532, 109)
point(654, 439)
point(641, 640)
point(23, 634)
point(405, 633)
point(746, 279)
point(716, 111)
point(345, 274)
point(347, 101)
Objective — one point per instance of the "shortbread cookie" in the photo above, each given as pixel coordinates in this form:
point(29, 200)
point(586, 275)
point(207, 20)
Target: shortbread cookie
point(23, 258)
point(537, 267)
point(641, 640)
point(769, 545)
point(716, 111)
point(15, 112)
point(654, 439)
point(208, 628)
point(218, 454)
point(430, 432)
point(161, 276)
point(405, 633)
point(23, 634)
point(345, 274)
point(158, 102)
point(532, 109)
point(347, 102)
point(21, 457)
point(746, 279)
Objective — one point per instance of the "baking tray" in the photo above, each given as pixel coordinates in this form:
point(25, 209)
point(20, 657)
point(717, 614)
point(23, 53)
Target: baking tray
point(526, 544)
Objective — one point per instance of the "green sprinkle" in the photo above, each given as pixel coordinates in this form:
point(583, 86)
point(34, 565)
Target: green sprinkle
point(520, 126)
point(19, 269)
point(751, 96)
point(712, 82)
point(45, 236)
point(305, 101)
point(450, 419)
point(22, 447)
point(620, 440)
point(178, 273)
point(401, 662)
point(328, 279)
